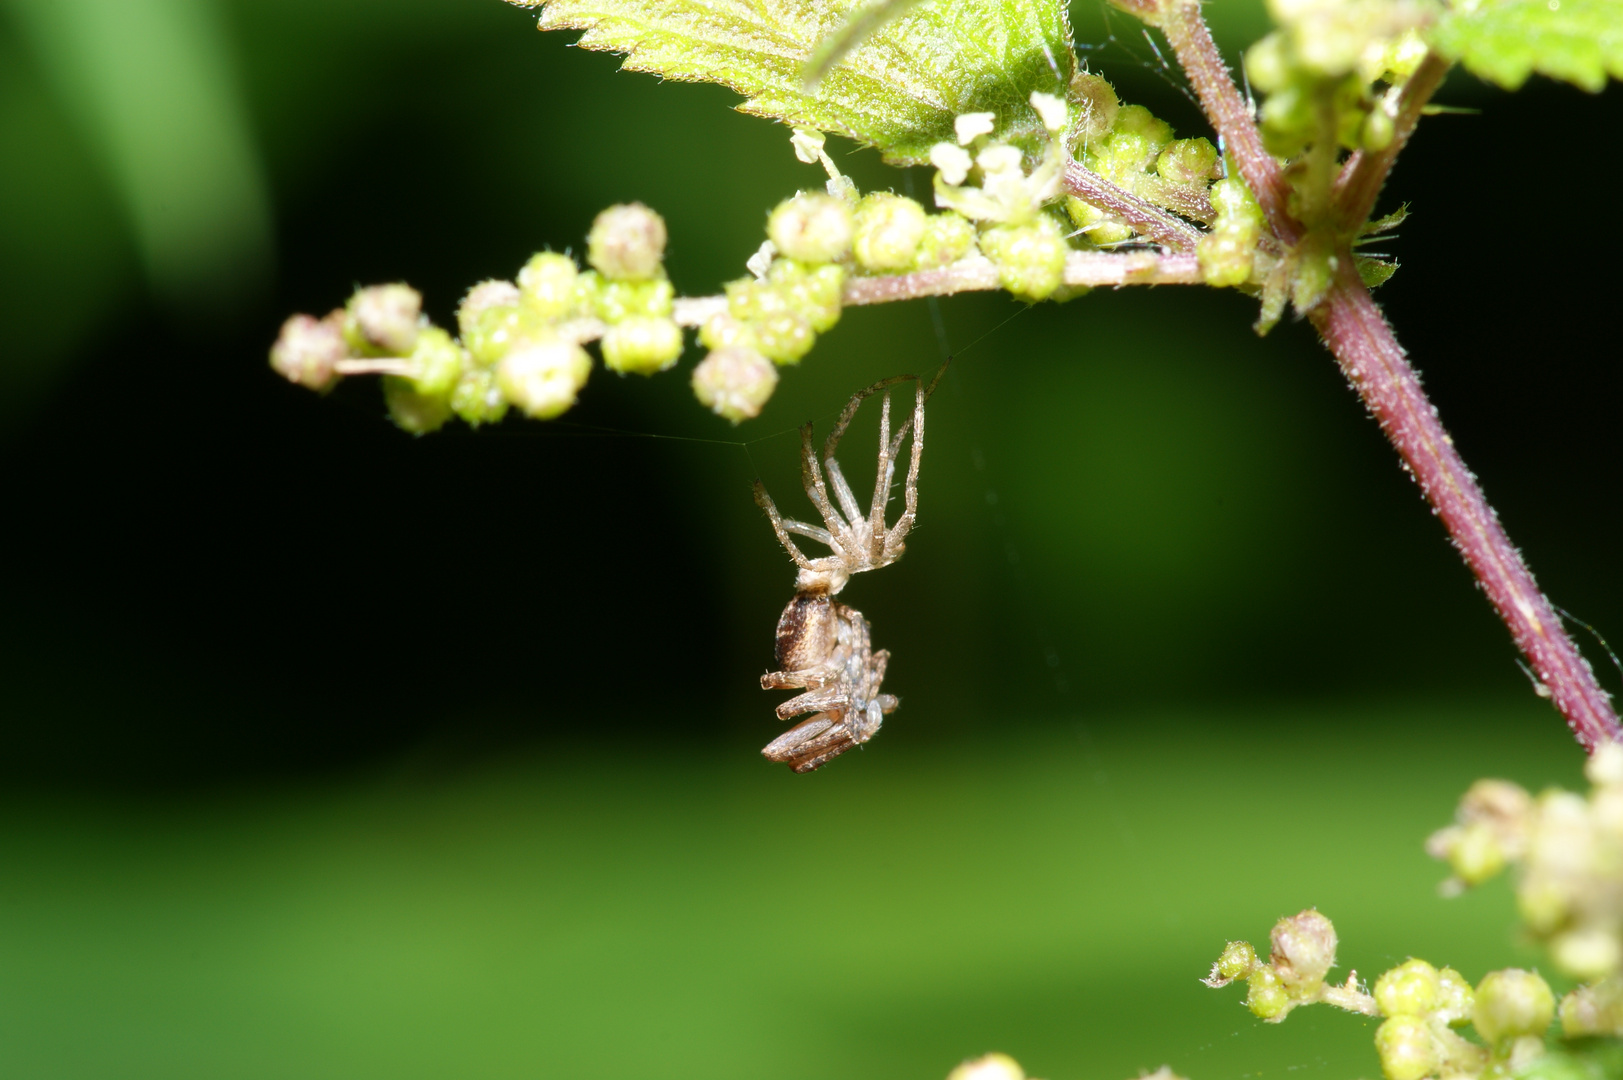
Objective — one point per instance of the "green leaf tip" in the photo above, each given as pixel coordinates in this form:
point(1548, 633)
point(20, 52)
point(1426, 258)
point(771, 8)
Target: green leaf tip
point(1505, 41)
point(898, 88)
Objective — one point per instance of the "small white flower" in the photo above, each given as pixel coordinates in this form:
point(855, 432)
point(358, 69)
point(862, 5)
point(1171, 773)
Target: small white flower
point(1000, 158)
point(1056, 115)
point(953, 161)
point(808, 145)
point(970, 125)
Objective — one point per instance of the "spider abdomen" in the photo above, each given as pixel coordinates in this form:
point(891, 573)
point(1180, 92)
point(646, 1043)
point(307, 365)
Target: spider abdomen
point(808, 630)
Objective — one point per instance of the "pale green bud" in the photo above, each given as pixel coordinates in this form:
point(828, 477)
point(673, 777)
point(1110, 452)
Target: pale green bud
point(990, 1067)
point(815, 292)
point(1188, 161)
point(887, 232)
point(642, 345)
point(617, 300)
point(1456, 999)
point(1030, 258)
point(1269, 64)
point(1410, 989)
point(1378, 131)
point(439, 362)
point(543, 377)
point(947, 238)
point(1544, 904)
point(488, 319)
point(478, 399)
point(627, 243)
point(783, 337)
point(307, 350)
point(1406, 1048)
point(1266, 995)
point(412, 411)
point(1588, 953)
point(811, 227)
point(1512, 1003)
point(1149, 133)
point(1303, 948)
point(1476, 854)
point(1237, 961)
point(723, 331)
point(1094, 105)
point(382, 320)
point(546, 285)
point(734, 382)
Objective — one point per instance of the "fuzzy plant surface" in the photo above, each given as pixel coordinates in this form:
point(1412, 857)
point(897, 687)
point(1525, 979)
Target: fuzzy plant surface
point(1046, 184)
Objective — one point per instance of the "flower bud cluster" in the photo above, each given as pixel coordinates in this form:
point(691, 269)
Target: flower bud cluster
point(1317, 70)
point(1137, 153)
point(1228, 252)
point(1568, 849)
point(1302, 952)
point(1010, 204)
point(517, 344)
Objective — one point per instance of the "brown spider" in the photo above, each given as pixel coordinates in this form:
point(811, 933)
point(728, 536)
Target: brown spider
point(822, 644)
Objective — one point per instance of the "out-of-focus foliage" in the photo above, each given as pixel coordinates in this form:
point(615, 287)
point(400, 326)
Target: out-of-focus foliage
point(899, 89)
point(1505, 41)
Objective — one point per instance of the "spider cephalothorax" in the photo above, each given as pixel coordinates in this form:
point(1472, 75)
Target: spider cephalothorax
point(823, 645)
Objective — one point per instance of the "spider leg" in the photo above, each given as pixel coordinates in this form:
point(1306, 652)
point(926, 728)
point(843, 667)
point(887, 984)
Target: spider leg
point(811, 478)
point(910, 491)
point(782, 528)
point(835, 698)
point(810, 745)
point(843, 492)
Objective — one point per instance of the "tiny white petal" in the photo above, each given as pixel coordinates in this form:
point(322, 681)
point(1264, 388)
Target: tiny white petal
point(1054, 112)
point(762, 259)
point(969, 125)
point(808, 145)
point(999, 159)
point(953, 162)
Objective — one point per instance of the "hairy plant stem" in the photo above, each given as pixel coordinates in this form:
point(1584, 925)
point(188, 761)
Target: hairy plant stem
point(1144, 217)
point(1369, 355)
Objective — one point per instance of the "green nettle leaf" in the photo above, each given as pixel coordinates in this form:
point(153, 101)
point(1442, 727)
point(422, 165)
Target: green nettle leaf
point(898, 89)
point(1577, 41)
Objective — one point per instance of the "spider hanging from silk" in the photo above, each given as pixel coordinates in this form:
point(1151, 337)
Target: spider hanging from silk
point(823, 646)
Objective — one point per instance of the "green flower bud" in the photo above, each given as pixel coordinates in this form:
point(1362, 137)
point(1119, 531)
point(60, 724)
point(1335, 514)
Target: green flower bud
point(990, 1067)
point(439, 362)
point(1266, 995)
point(1030, 258)
point(308, 349)
point(1188, 161)
point(543, 377)
point(382, 320)
point(887, 232)
point(811, 228)
point(722, 331)
point(642, 345)
point(1456, 1000)
point(1406, 1048)
point(1410, 989)
point(627, 243)
point(1543, 903)
point(617, 300)
point(947, 238)
point(412, 411)
point(1097, 227)
point(734, 383)
point(1315, 269)
point(812, 291)
point(1303, 948)
point(1237, 961)
point(1378, 131)
point(783, 337)
point(546, 286)
point(1137, 137)
point(1512, 1003)
point(1269, 64)
point(1476, 854)
point(477, 398)
point(489, 321)
point(1588, 953)
point(1094, 105)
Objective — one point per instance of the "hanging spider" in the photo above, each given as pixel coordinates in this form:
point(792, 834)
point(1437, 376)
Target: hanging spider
point(823, 645)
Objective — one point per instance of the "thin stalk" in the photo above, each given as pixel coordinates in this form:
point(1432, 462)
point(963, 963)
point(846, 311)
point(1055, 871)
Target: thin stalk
point(1146, 218)
point(1364, 174)
point(1369, 355)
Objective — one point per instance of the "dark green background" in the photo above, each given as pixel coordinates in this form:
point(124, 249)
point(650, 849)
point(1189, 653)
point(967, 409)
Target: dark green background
point(335, 752)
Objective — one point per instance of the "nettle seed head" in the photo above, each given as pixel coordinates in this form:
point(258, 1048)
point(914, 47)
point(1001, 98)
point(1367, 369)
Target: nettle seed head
point(1410, 989)
point(488, 320)
point(812, 228)
point(1406, 1048)
point(1512, 1003)
point(477, 398)
point(734, 382)
point(439, 361)
point(308, 349)
point(1303, 948)
point(627, 243)
point(543, 377)
point(1030, 258)
point(411, 410)
point(642, 345)
point(887, 232)
point(546, 285)
point(383, 320)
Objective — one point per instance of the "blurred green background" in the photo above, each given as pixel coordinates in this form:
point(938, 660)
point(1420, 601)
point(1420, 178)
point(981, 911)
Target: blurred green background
point(331, 752)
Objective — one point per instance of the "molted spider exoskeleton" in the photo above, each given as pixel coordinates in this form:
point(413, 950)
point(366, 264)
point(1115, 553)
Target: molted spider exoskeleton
point(823, 645)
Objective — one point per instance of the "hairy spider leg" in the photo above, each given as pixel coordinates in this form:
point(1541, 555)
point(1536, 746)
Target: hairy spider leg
point(910, 491)
point(811, 478)
point(783, 528)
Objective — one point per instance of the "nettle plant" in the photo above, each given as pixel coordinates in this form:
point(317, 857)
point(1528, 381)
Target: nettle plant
point(1047, 185)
